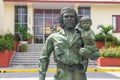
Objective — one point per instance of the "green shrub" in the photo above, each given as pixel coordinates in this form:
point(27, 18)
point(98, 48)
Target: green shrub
point(6, 42)
point(23, 48)
point(22, 30)
point(9, 36)
point(110, 52)
point(110, 38)
point(29, 36)
point(117, 42)
point(99, 37)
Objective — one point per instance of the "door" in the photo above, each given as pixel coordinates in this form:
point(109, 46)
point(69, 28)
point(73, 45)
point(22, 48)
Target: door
point(44, 21)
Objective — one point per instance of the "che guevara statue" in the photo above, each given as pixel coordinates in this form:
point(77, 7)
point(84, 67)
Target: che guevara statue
point(66, 46)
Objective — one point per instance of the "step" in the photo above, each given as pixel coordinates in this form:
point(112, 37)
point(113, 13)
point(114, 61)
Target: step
point(24, 61)
point(34, 47)
point(18, 63)
point(29, 63)
point(31, 57)
point(28, 53)
point(25, 58)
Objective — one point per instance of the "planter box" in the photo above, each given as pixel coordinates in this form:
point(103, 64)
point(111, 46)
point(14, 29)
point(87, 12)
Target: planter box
point(5, 58)
point(16, 44)
point(108, 61)
point(100, 45)
point(29, 41)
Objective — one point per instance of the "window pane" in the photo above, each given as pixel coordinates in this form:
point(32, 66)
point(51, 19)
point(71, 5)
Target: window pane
point(38, 21)
point(21, 18)
point(84, 11)
point(38, 30)
point(55, 21)
point(87, 11)
point(24, 18)
point(18, 18)
point(38, 13)
point(47, 29)
point(48, 13)
point(48, 21)
point(118, 23)
point(21, 14)
point(80, 11)
point(17, 9)
point(24, 10)
point(38, 39)
point(114, 23)
point(56, 13)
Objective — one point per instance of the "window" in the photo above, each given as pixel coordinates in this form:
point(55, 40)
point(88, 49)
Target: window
point(43, 22)
point(21, 16)
point(116, 23)
point(83, 11)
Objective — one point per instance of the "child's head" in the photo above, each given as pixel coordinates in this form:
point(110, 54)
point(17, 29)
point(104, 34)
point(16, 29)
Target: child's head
point(85, 22)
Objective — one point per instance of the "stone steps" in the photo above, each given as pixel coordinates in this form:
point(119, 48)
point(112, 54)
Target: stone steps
point(31, 57)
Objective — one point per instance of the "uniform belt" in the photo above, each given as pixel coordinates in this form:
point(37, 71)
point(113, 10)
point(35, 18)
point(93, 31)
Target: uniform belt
point(70, 67)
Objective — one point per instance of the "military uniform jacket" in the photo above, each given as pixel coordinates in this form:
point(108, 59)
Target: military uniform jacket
point(64, 51)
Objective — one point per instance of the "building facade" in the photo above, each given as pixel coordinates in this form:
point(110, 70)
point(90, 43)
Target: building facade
point(41, 16)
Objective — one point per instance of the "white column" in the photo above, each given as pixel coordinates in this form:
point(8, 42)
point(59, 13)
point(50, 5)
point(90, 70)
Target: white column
point(30, 17)
point(1, 17)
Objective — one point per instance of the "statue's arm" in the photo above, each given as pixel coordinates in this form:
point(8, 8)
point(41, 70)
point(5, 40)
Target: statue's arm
point(44, 58)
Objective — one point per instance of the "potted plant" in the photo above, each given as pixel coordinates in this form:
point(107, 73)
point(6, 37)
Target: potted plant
point(6, 49)
point(22, 31)
point(104, 38)
point(17, 39)
point(109, 57)
point(110, 40)
point(23, 48)
point(105, 31)
point(99, 40)
point(29, 38)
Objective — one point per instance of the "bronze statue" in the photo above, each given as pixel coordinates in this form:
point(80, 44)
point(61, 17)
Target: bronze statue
point(87, 34)
point(66, 47)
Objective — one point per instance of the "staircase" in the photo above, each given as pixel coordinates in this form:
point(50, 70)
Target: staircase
point(29, 59)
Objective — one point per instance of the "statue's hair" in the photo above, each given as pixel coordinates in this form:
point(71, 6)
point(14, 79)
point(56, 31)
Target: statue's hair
point(67, 10)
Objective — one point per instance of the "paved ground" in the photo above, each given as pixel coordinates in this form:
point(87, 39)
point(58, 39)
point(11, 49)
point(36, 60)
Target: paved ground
point(35, 76)
point(112, 74)
point(105, 75)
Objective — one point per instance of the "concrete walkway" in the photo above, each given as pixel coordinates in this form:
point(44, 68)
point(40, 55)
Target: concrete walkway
point(35, 76)
point(94, 73)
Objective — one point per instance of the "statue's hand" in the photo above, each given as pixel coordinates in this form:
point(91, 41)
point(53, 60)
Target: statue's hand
point(85, 52)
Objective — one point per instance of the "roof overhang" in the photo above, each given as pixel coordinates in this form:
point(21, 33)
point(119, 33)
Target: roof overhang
point(58, 4)
point(70, 1)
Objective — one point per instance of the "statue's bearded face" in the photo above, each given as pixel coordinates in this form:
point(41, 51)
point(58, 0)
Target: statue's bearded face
point(69, 20)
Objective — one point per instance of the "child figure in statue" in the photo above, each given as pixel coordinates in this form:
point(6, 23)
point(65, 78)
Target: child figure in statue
point(83, 27)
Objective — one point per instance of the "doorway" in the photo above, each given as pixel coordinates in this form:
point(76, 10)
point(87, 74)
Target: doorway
point(44, 21)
